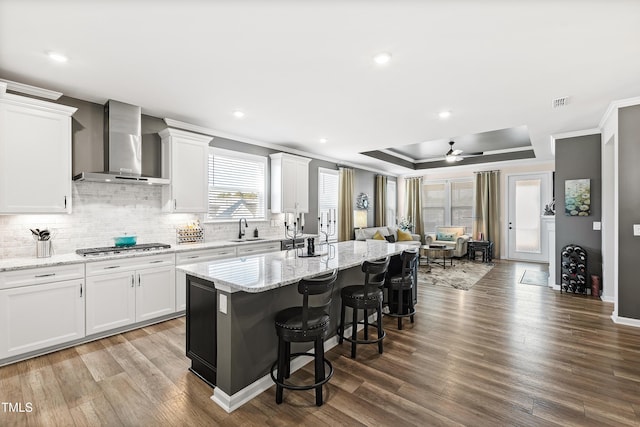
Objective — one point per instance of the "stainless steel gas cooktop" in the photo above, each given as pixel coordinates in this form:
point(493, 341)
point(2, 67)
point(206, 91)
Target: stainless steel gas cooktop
point(114, 250)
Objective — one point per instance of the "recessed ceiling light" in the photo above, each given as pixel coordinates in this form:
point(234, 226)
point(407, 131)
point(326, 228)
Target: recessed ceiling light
point(323, 140)
point(382, 58)
point(238, 114)
point(58, 57)
point(444, 114)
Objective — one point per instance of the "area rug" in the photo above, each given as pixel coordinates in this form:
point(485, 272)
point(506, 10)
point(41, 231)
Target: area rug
point(463, 275)
point(534, 277)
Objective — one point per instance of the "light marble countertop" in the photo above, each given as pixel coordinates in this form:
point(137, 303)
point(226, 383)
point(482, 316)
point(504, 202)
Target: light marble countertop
point(9, 264)
point(260, 273)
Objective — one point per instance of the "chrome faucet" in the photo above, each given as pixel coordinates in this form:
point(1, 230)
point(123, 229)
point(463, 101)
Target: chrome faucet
point(240, 230)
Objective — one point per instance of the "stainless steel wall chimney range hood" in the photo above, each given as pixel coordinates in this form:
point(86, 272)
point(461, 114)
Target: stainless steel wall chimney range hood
point(122, 147)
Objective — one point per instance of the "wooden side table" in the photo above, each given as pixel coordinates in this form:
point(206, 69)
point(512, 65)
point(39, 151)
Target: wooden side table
point(484, 246)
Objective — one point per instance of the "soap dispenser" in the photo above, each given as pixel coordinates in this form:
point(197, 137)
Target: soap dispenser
point(255, 232)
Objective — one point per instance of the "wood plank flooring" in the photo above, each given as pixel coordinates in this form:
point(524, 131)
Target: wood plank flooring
point(502, 353)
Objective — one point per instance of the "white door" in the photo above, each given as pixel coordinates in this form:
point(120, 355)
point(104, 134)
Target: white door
point(155, 292)
point(528, 193)
point(40, 316)
point(110, 301)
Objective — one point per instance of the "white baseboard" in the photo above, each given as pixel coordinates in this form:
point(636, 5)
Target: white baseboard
point(625, 321)
point(607, 298)
point(236, 400)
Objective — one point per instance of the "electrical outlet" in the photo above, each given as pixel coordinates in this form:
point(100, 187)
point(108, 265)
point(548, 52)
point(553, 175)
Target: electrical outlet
point(636, 229)
point(597, 225)
point(223, 304)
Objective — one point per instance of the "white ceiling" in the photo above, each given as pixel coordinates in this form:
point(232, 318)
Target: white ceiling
point(302, 71)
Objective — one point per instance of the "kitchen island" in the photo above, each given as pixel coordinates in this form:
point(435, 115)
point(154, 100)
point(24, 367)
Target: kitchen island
point(231, 305)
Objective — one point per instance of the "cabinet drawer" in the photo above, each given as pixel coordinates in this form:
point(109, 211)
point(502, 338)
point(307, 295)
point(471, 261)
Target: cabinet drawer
point(204, 255)
point(258, 248)
point(129, 264)
point(36, 276)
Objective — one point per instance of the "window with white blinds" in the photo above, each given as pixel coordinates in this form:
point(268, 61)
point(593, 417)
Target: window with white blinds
point(391, 203)
point(328, 197)
point(448, 203)
point(237, 185)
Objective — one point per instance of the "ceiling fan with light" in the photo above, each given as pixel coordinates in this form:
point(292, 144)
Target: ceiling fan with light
point(456, 155)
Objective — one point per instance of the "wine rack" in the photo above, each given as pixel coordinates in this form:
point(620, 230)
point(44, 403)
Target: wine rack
point(573, 259)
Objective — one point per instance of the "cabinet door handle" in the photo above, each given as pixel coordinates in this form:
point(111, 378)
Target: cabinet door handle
point(112, 266)
point(175, 204)
point(193, 256)
point(156, 261)
point(138, 280)
point(45, 275)
point(132, 281)
point(80, 290)
point(65, 202)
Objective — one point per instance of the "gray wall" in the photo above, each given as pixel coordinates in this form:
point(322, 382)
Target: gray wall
point(365, 182)
point(578, 158)
point(629, 211)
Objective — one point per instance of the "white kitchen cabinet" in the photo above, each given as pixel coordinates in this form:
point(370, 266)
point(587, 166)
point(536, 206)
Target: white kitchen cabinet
point(121, 292)
point(43, 311)
point(289, 183)
point(192, 257)
point(110, 301)
point(35, 156)
point(184, 163)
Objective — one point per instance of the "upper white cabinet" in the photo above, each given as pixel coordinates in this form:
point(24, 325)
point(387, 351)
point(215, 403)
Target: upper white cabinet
point(289, 183)
point(184, 163)
point(35, 156)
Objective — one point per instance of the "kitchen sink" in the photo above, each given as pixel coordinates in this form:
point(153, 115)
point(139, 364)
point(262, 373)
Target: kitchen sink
point(248, 239)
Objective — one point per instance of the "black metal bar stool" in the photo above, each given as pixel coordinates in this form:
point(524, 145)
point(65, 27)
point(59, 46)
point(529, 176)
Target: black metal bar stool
point(305, 324)
point(364, 297)
point(401, 287)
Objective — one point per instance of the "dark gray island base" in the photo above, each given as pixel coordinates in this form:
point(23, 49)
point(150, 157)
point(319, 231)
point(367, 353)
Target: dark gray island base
point(231, 337)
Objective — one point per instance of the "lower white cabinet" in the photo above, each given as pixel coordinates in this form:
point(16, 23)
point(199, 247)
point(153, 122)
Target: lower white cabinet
point(192, 257)
point(37, 316)
point(125, 291)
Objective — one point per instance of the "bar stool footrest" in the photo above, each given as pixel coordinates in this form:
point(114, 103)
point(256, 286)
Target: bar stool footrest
point(302, 387)
point(363, 341)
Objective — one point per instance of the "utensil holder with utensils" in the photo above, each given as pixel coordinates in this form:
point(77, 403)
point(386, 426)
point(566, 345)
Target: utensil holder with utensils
point(43, 248)
point(43, 242)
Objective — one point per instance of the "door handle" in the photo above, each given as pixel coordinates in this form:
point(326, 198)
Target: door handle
point(80, 290)
point(138, 280)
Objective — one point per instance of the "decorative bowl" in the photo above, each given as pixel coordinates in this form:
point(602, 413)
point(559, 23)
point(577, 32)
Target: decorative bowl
point(122, 241)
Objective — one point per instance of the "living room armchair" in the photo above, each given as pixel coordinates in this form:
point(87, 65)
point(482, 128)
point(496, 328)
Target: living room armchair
point(450, 237)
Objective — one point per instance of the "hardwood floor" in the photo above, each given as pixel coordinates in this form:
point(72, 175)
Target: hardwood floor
point(502, 353)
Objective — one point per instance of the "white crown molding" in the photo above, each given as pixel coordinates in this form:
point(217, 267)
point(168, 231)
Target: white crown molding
point(226, 135)
point(198, 137)
point(575, 133)
point(9, 98)
point(614, 105)
point(479, 167)
point(32, 90)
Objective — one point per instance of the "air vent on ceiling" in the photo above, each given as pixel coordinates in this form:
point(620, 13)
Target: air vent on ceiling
point(560, 102)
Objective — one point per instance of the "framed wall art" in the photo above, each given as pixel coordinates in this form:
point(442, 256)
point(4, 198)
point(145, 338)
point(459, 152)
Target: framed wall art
point(577, 197)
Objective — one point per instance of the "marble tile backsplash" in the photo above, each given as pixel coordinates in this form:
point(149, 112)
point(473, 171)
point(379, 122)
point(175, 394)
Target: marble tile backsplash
point(102, 211)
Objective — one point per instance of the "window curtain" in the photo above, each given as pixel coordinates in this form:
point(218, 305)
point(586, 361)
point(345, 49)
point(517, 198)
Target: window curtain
point(413, 195)
point(345, 204)
point(487, 208)
point(381, 201)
